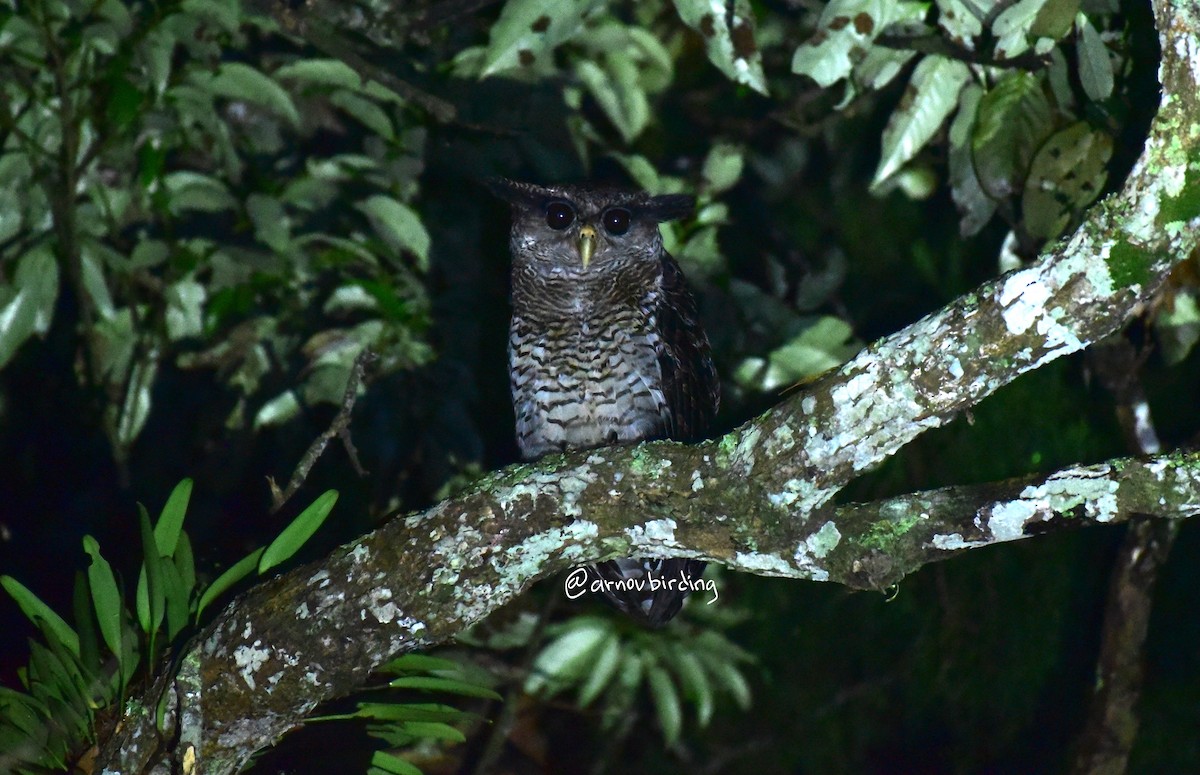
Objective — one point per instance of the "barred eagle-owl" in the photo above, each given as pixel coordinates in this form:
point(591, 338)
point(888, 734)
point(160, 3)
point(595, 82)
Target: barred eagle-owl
point(605, 345)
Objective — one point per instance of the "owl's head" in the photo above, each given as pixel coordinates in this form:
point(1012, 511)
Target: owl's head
point(585, 229)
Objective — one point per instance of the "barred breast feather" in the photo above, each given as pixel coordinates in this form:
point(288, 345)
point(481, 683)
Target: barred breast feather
point(605, 346)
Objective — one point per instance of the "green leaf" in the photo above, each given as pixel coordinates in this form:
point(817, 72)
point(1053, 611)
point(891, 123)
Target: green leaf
point(240, 570)
point(846, 30)
point(567, 658)
point(278, 410)
point(12, 204)
point(239, 81)
point(434, 730)
point(666, 703)
point(656, 65)
point(646, 176)
point(729, 39)
point(723, 166)
point(727, 674)
point(224, 13)
point(183, 559)
point(974, 205)
point(148, 253)
point(1013, 120)
point(94, 283)
point(1059, 77)
point(271, 223)
point(124, 102)
point(169, 527)
point(41, 614)
point(418, 663)
point(157, 51)
point(617, 90)
point(959, 20)
point(326, 72)
point(824, 343)
point(128, 661)
point(185, 309)
point(399, 226)
point(449, 685)
point(27, 307)
point(390, 764)
point(701, 251)
point(150, 580)
point(366, 112)
point(74, 721)
point(81, 607)
point(528, 31)
point(106, 597)
point(917, 181)
point(878, 68)
point(1177, 325)
point(695, 682)
point(134, 409)
point(932, 93)
point(1095, 66)
point(141, 598)
point(400, 711)
point(289, 541)
point(22, 711)
point(1055, 19)
point(602, 672)
point(178, 597)
point(53, 674)
point(1012, 27)
point(1067, 174)
point(193, 191)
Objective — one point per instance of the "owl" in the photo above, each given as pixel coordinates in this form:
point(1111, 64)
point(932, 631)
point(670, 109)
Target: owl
point(605, 347)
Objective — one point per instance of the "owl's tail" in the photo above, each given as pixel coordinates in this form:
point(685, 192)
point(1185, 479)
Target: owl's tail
point(650, 590)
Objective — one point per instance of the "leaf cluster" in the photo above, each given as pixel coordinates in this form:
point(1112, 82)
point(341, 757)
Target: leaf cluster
point(192, 206)
point(83, 674)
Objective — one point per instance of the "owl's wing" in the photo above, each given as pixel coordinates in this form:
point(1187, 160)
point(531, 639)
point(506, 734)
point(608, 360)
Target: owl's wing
point(690, 383)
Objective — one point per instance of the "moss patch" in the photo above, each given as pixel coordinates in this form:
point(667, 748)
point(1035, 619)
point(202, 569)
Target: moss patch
point(883, 534)
point(1185, 205)
point(1128, 265)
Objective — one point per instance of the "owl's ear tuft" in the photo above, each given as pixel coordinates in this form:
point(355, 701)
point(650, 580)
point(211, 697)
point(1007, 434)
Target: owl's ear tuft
point(503, 188)
point(515, 192)
point(668, 207)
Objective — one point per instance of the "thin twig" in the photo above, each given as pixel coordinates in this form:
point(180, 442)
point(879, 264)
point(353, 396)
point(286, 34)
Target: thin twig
point(437, 15)
point(339, 428)
point(1112, 723)
point(328, 39)
point(494, 748)
point(936, 44)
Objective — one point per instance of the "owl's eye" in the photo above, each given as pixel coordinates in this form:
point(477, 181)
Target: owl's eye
point(616, 220)
point(559, 215)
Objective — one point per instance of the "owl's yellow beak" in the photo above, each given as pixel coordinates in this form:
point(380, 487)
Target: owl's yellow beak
point(587, 244)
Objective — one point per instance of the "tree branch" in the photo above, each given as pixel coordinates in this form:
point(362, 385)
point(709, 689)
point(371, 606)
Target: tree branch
point(756, 500)
point(1112, 723)
point(340, 427)
point(317, 632)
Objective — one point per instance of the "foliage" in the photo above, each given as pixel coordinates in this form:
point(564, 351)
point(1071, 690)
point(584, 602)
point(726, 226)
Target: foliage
point(601, 664)
point(591, 656)
point(185, 203)
point(403, 724)
point(85, 671)
point(1019, 137)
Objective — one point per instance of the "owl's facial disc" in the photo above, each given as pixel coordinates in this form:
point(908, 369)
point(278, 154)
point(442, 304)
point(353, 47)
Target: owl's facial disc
point(587, 244)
